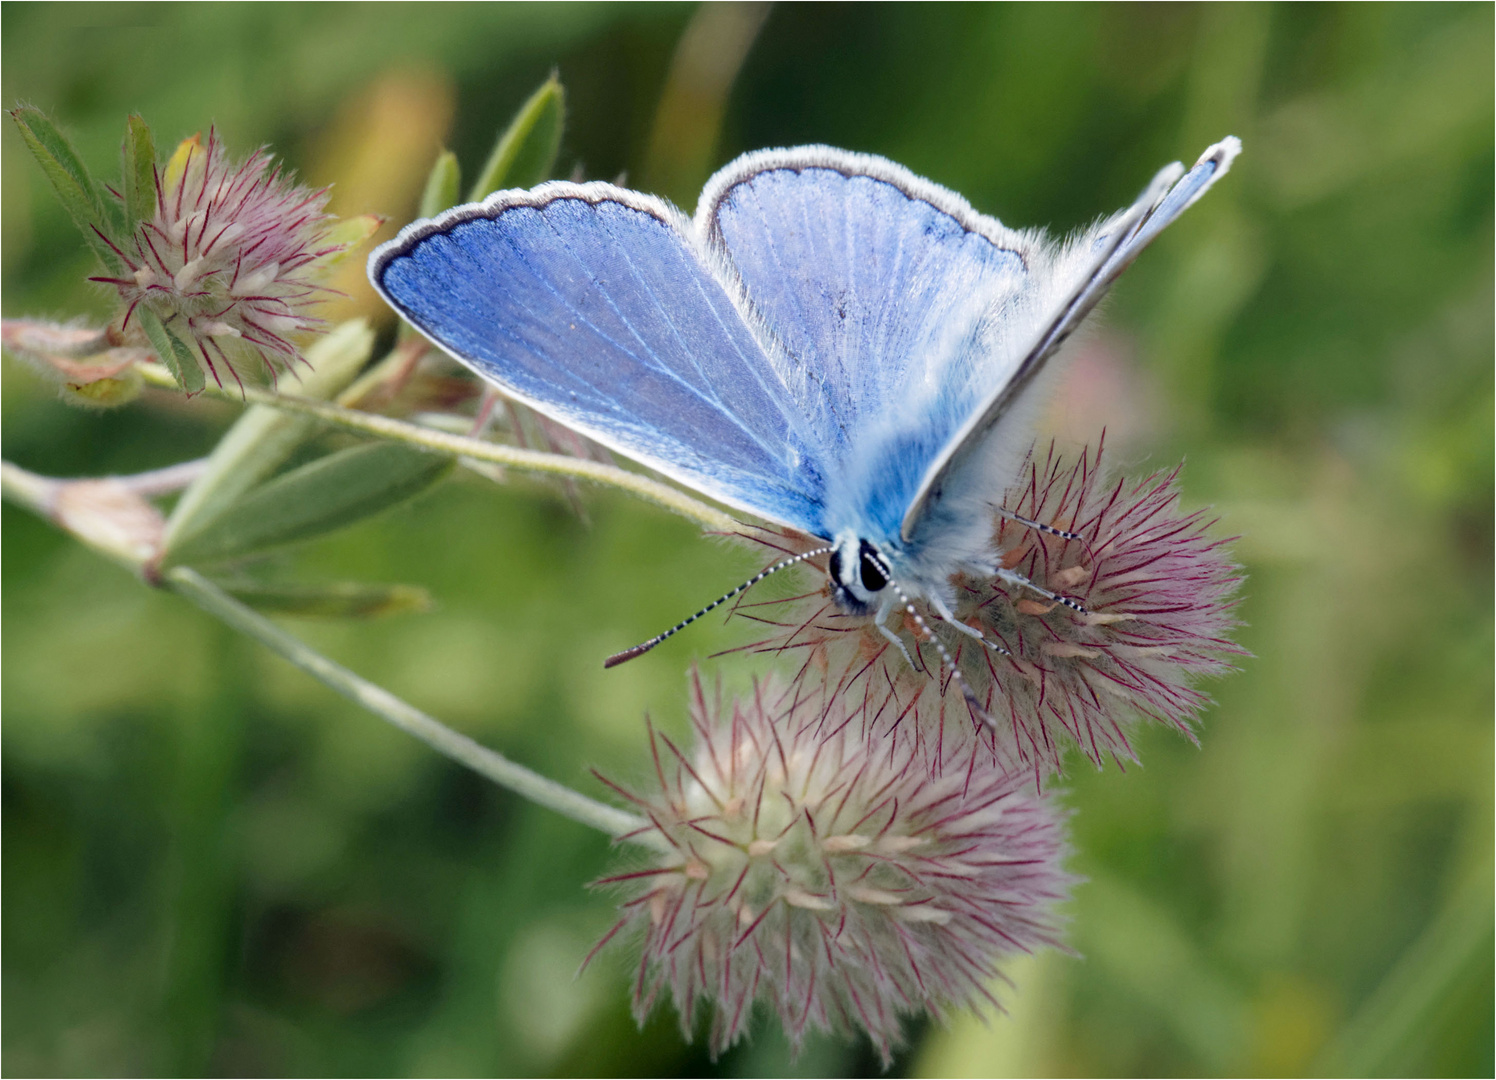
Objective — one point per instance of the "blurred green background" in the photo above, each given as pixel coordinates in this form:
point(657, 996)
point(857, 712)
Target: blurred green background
point(212, 864)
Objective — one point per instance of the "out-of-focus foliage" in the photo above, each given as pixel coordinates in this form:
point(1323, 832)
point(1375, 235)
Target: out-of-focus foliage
point(212, 864)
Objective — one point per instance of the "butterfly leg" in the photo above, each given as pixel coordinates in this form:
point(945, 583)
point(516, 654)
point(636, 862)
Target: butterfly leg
point(1012, 577)
point(1038, 526)
point(948, 662)
point(899, 642)
point(970, 631)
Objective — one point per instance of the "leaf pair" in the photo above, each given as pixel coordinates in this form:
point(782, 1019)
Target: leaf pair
point(80, 195)
point(523, 156)
point(101, 220)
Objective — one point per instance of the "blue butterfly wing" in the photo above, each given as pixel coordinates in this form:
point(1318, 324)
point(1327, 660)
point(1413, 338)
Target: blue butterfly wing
point(866, 280)
point(595, 306)
point(1110, 249)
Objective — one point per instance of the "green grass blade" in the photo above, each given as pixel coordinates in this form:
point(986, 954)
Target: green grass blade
point(526, 151)
point(443, 185)
point(140, 172)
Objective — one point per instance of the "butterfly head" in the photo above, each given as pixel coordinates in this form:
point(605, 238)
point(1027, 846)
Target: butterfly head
point(859, 574)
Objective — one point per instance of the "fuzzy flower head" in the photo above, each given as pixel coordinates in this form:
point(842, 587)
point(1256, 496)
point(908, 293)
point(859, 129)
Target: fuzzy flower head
point(1157, 592)
point(825, 872)
point(234, 258)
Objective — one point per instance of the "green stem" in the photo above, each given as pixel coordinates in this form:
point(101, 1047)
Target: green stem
point(440, 442)
point(461, 749)
point(38, 494)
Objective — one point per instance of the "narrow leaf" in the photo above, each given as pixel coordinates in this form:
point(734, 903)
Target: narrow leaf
point(263, 438)
point(173, 351)
point(443, 185)
point(332, 600)
point(70, 180)
point(331, 493)
point(140, 173)
point(339, 241)
point(527, 149)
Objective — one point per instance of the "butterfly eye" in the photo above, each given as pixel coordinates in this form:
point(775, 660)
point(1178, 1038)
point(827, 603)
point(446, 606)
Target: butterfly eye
point(873, 577)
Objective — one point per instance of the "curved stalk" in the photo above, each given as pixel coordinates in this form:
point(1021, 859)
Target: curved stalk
point(379, 701)
point(440, 442)
point(39, 494)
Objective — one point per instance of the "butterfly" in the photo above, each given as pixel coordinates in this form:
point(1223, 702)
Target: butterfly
point(831, 344)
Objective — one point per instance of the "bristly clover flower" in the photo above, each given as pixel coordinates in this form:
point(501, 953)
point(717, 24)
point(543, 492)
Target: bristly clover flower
point(1157, 591)
point(234, 259)
point(830, 874)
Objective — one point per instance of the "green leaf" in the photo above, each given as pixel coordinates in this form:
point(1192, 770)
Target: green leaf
point(140, 173)
point(330, 493)
point(527, 149)
point(443, 185)
point(173, 351)
point(263, 438)
point(332, 600)
point(336, 358)
point(69, 178)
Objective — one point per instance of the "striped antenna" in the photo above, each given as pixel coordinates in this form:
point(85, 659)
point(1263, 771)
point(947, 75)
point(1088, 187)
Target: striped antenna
point(1039, 525)
point(640, 650)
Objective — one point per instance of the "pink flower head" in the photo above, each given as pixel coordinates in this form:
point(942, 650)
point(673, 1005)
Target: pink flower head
point(827, 872)
point(233, 258)
point(1157, 596)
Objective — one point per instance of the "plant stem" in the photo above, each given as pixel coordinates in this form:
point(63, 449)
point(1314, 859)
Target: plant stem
point(38, 494)
point(440, 442)
point(165, 480)
point(461, 749)
point(105, 513)
point(28, 489)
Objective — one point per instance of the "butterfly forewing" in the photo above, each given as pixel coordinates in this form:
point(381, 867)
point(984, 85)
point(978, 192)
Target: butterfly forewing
point(880, 296)
point(592, 305)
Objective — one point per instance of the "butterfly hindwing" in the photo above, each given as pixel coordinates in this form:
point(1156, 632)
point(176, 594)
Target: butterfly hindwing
point(1100, 258)
point(594, 305)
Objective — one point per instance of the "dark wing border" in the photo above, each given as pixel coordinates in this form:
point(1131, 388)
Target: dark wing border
point(594, 193)
point(850, 164)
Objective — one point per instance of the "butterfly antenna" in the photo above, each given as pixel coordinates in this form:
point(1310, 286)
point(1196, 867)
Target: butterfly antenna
point(640, 650)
